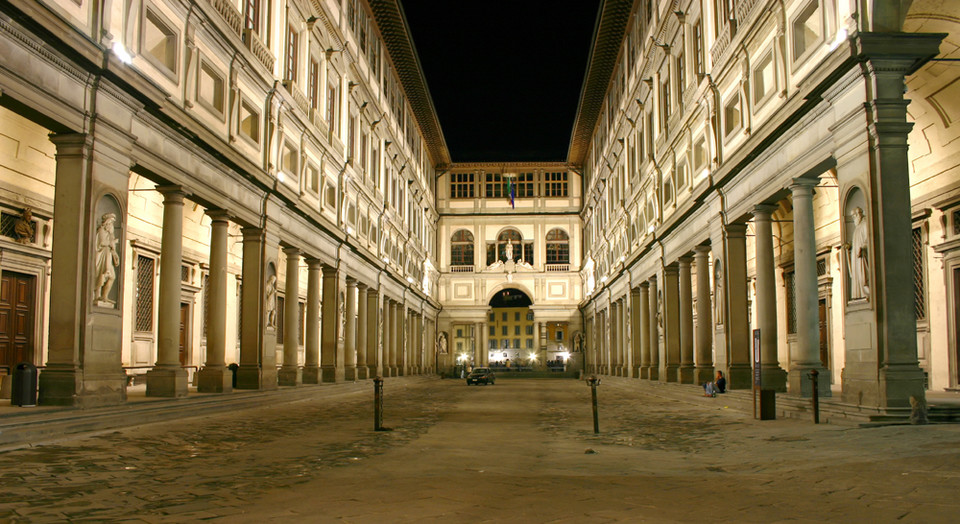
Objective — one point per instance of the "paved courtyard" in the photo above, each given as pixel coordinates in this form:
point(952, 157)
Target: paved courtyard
point(519, 451)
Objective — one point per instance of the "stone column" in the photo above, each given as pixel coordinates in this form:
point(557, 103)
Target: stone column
point(394, 339)
point(362, 331)
point(704, 371)
point(686, 322)
point(772, 376)
point(374, 333)
point(331, 345)
point(623, 369)
point(738, 322)
point(645, 330)
point(385, 328)
point(635, 341)
point(311, 360)
point(84, 364)
point(168, 378)
point(290, 374)
point(671, 322)
point(654, 339)
point(350, 337)
point(215, 377)
point(257, 340)
point(806, 353)
point(613, 350)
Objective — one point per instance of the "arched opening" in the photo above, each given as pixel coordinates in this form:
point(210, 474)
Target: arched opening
point(511, 333)
point(461, 251)
point(510, 246)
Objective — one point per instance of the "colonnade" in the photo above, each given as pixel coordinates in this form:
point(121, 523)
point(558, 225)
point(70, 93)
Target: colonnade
point(654, 327)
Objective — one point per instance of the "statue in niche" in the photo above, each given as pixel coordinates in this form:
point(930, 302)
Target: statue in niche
point(24, 228)
point(379, 333)
point(717, 293)
point(442, 344)
point(107, 259)
point(660, 309)
point(271, 302)
point(578, 343)
point(342, 315)
point(509, 252)
point(857, 261)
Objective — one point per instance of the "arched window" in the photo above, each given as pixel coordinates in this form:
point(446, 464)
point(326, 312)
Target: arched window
point(518, 248)
point(558, 247)
point(461, 248)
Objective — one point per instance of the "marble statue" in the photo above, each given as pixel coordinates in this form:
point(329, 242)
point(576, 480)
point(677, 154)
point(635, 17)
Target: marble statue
point(857, 261)
point(23, 227)
point(107, 258)
point(271, 301)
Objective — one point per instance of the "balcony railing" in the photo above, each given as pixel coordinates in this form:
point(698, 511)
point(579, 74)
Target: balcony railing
point(258, 48)
point(558, 267)
point(461, 269)
point(298, 96)
point(230, 14)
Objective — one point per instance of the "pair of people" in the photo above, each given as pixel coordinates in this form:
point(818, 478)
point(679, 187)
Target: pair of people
point(719, 385)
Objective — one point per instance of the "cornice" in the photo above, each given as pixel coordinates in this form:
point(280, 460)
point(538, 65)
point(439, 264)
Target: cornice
point(396, 36)
point(608, 37)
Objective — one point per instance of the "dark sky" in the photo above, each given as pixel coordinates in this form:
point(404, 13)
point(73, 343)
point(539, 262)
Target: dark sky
point(505, 75)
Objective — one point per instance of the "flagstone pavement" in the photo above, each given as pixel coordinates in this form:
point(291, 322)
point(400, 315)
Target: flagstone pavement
point(519, 451)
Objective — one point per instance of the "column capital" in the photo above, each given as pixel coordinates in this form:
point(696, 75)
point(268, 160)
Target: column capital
point(251, 233)
point(351, 282)
point(644, 285)
point(652, 280)
point(763, 211)
point(218, 215)
point(685, 261)
point(71, 143)
point(803, 185)
point(172, 194)
point(702, 250)
point(330, 271)
point(313, 263)
point(362, 287)
point(672, 269)
point(291, 251)
point(735, 230)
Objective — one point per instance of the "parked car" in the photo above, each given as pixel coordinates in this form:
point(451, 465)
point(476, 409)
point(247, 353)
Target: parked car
point(481, 375)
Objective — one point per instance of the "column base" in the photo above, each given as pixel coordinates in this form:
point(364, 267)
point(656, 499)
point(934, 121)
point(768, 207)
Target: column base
point(311, 375)
point(350, 373)
point(255, 377)
point(740, 376)
point(331, 374)
point(900, 382)
point(686, 374)
point(167, 382)
point(74, 387)
point(772, 377)
point(704, 374)
point(215, 379)
point(653, 373)
point(290, 376)
point(801, 385)
point(635, 372)
point(363, 373)
point(671, 373)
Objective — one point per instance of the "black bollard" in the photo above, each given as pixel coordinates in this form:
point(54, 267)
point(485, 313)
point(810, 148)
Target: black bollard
point(594, 381)
point(378, 404)
point(816, 395)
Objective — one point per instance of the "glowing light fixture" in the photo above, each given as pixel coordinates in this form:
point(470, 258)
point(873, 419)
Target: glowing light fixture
point(121, 52)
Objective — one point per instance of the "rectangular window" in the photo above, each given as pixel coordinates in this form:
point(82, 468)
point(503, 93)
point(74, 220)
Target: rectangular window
point(249, 121)
point(210, 89)
point(525, 185)
point(790, 285)
point(919, 289)
point(764, 81)
point(279, 320)
point(293, 39)
point(504, 330)
point(529, 343)
point(698, 49)
point(494, 187)
point(530, 329)
point(461, 185)
point(516, 317)
point(555, 184)
point(351, 138)
point(681, 75)
point(300, 323)
point(493, 331)
point(333, 101)
point(145, 275)
point(700, 153)
point(313, 180)
point(290, 160)
point(665, 104)
point(807, 30)
point(313, 84)
point(159, 41)
point(516, 330)
point(731, 115)
point(251, 18)
point(516, 343)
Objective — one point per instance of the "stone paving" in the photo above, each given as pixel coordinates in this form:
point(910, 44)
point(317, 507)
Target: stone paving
point(520, 451)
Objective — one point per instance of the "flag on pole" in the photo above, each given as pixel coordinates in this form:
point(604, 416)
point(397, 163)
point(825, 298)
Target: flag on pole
point(511, 190)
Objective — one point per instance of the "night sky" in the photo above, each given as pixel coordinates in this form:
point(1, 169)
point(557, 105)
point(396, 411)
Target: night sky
point(505, 75)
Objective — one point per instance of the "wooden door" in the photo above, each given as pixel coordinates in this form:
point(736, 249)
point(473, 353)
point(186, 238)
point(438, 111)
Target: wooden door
point(16, 318)
point(184, 320)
